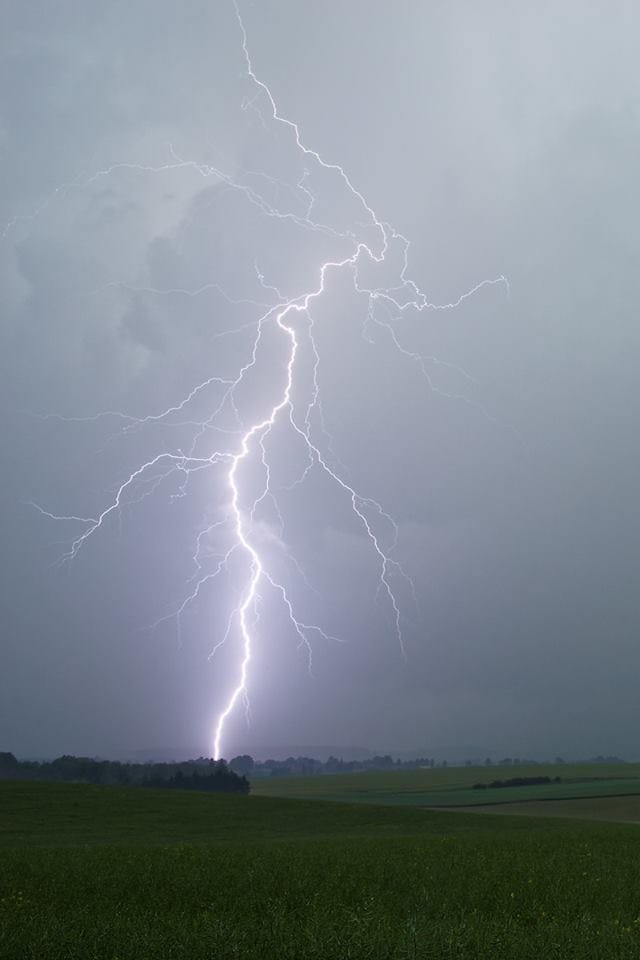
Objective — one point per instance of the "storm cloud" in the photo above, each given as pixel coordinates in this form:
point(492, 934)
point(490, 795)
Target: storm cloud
point(501, 140)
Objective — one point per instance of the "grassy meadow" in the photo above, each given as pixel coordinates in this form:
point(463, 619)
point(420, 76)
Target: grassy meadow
point(616, 809)
point(106, 873)
point(453, 786)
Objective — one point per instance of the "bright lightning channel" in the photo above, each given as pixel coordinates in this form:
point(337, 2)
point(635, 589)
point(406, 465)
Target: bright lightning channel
point(384, 303)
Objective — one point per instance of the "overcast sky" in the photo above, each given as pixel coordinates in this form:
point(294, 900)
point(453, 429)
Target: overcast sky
point(500, 139)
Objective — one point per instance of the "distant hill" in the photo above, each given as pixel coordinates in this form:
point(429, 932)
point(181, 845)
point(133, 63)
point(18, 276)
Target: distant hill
point(316, 751)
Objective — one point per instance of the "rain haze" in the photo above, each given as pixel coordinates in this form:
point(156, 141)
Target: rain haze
point(152, 210)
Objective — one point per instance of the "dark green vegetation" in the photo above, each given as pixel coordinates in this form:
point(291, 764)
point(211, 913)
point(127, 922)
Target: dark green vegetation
point(107, 873)
point(200, 774)
point(454, 786)
point(516, 782)
point(617, 809)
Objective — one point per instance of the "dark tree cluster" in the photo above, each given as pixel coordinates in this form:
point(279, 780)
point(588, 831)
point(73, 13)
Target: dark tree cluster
point(308, 766)
point(189, 772)
point(516, 782)
point(201, 774)
point(219, 779)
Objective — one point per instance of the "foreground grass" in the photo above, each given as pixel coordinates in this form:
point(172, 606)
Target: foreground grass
point(56, 814)
point(130, 874)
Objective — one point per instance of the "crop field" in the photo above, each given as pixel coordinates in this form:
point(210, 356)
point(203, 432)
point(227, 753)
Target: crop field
point(616, 809)
point(453, 786)
point(100, 873)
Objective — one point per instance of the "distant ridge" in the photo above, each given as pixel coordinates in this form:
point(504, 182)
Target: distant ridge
point(257, 751)
point(316, 751)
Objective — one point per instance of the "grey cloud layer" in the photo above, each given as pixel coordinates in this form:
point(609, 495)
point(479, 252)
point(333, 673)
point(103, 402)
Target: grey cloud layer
point(499, 141)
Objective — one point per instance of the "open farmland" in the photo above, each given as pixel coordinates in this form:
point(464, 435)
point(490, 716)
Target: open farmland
point(105, 873)
point(453, 786)
point(615, 809)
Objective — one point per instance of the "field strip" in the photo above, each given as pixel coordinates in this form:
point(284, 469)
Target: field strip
point(613, 809)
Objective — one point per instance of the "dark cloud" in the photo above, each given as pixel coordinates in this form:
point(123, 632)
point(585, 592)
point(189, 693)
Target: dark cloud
point(501, 142)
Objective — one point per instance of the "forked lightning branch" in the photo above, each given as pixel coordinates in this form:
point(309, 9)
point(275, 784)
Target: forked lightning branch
point(249, 448)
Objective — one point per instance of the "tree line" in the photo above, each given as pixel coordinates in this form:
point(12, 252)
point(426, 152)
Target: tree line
point(309, 766)
point(201, 774)
point(516, 782)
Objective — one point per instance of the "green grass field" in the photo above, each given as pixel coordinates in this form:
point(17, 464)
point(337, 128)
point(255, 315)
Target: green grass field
point(452, 787)
point(615, 809)
point(103, 873)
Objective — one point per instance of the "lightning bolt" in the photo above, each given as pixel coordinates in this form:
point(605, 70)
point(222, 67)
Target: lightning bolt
point(292, 318)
